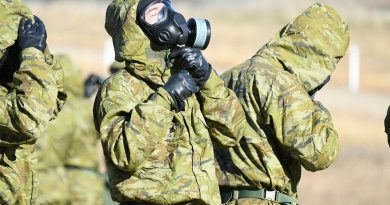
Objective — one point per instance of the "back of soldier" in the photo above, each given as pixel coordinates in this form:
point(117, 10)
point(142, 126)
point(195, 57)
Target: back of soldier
point(276, 88)
point(68, 151)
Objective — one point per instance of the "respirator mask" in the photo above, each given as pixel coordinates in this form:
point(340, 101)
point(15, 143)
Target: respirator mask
point(168, 29)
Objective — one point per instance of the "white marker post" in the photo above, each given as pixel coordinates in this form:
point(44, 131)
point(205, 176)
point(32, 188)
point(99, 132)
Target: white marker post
point(108, 54)
point(354, 68)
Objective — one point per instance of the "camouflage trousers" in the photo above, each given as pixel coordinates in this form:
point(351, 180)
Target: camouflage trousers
point(53, 187)
point(61, 186)
point(18, 180)
point(85, 187)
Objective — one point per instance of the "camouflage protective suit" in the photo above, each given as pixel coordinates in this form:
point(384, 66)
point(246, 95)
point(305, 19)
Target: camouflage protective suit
point(68, 151)
point(30, 95)
point(155, 154)
point(387, 125)
point(292, 130)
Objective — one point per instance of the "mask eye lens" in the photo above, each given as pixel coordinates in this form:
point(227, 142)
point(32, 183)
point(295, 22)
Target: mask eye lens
point(155, 13)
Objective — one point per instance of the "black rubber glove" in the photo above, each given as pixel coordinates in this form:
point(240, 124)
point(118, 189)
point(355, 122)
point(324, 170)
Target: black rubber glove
point(91, 84)
point(192, 60)
point(32, 34)
point(181, 86)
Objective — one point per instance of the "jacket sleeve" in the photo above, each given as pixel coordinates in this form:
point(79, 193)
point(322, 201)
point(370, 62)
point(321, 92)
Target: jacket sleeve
point(59, 76)
point(222, 111)
point(130, 129)
point(304, 127)
point(27, 108)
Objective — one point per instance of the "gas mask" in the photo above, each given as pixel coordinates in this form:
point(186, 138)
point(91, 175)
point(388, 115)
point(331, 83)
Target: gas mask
point(168, 29)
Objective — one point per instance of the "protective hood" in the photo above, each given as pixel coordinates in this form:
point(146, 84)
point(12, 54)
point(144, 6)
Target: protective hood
point(131, 44)
point(310, 46)
point(10, 14)
point(73, 78)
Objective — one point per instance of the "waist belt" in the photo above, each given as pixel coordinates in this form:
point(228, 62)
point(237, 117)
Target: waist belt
point(85, 169)
point(276, 196)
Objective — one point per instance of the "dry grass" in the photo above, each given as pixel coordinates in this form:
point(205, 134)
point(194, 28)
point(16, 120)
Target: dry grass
point(361, 174)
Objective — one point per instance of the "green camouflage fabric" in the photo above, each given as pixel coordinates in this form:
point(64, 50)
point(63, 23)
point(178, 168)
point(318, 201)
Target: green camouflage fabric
point(68, 150)
point(290, 129)
point(154, 154)
point(86, 187)
point(387, 125)
point(10, 14)
point(29, 98)
point(53, 185)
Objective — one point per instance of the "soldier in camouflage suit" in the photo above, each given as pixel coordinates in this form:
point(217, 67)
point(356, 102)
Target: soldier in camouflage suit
point(31, 95)
point(155, 154)
point(276, 87)
point(387, 125)
point(68, 151)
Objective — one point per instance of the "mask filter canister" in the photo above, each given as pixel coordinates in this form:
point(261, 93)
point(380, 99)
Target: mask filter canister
point(199, 33)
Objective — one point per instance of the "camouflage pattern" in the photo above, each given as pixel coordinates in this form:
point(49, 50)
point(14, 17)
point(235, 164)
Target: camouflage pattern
point(387, 125)
point(53, 186)
point(287, 128)
point(10, 14)
point(29, 98)
point(68, 150)
point(154, 154)
point(85, 186)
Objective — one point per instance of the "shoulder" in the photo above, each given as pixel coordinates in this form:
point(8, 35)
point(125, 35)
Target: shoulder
point(269, 78)
point(124, 82)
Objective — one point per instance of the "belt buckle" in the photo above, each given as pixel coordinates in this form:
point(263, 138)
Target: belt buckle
point(270, 195)
point(229, 196)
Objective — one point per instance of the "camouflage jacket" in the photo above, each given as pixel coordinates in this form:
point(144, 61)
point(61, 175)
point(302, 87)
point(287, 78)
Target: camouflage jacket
point(155, 154)
point(27, 104)
point(30, 95)
point(287, 128)
point(71, 140)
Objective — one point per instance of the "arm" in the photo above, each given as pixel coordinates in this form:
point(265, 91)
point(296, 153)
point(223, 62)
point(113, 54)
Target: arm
point(131, 129)
point(220, 106)
point(222, 111)
point(27, 108)
point(59, 76)
point(304, 127)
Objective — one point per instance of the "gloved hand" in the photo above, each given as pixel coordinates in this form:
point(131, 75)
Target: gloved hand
point(32, 34)
point(181, 86)
point(192, 60)
point(91, 84)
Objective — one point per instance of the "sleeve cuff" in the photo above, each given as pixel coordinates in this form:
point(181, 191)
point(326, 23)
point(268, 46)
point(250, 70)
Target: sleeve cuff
point(161, 97)
point(213, 84)
point(32, 52)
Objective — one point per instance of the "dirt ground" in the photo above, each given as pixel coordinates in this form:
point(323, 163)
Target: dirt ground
point(361, 174)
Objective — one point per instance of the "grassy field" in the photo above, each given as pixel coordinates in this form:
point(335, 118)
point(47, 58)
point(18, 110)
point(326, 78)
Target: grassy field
point(361, 174)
